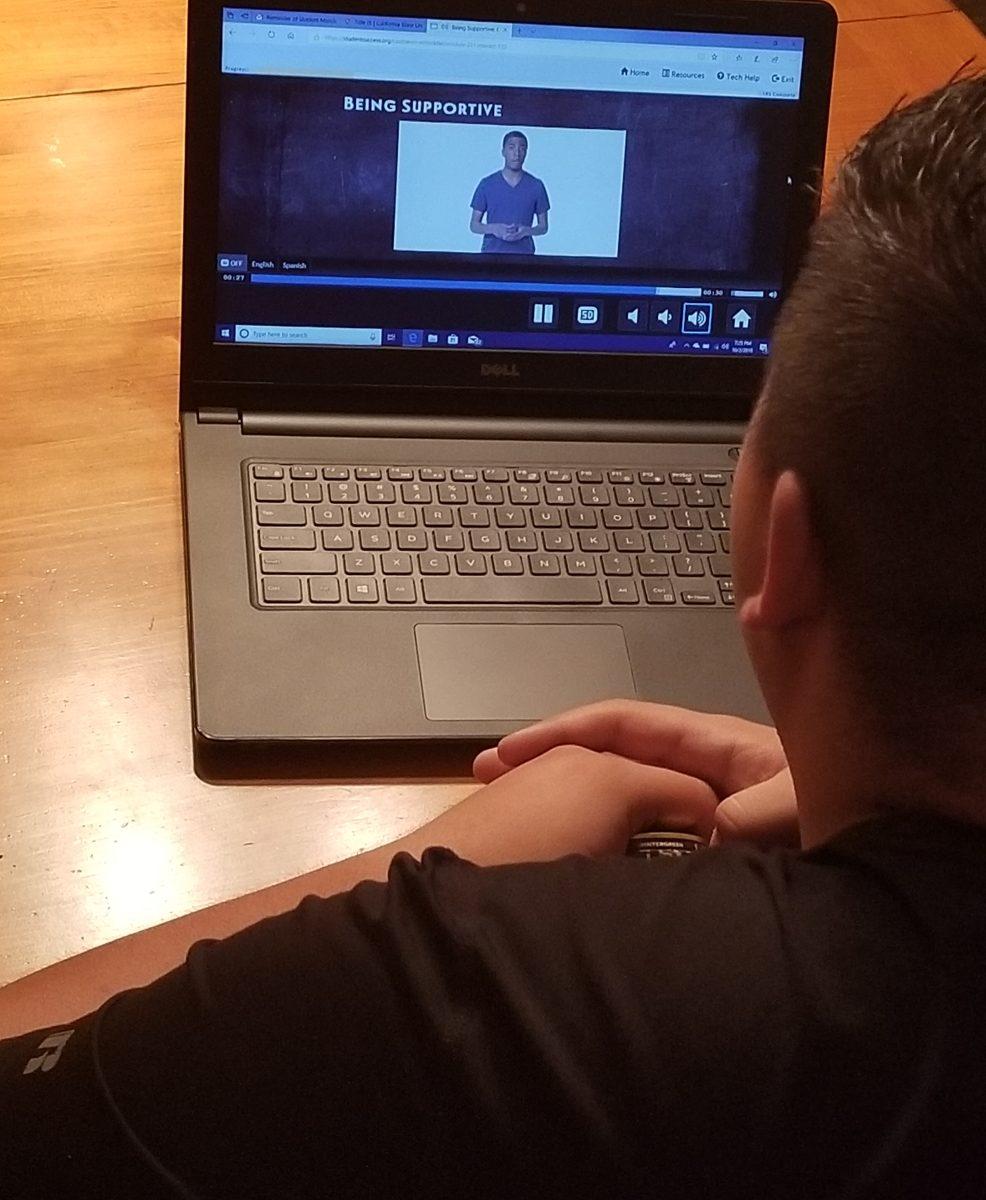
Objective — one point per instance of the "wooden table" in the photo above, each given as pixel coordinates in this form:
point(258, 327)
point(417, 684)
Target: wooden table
point(104, 828)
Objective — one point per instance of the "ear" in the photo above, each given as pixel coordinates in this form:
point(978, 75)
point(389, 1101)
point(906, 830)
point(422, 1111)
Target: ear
point(792, 586)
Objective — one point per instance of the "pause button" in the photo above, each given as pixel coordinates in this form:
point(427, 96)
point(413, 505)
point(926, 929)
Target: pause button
point(544, 314)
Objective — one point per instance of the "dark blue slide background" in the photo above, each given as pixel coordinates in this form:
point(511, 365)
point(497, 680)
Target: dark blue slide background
point(704, 187)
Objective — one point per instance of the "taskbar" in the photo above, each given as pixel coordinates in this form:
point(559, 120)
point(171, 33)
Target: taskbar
point(461, 339)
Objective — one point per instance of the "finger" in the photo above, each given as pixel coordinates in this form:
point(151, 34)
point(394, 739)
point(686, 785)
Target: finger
point(713, 747)
point(663, 799)
point(487, 766)
point(766, 814)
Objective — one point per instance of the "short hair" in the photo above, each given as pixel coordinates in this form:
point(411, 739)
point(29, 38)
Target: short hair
point(876, 397)
point(513, 133)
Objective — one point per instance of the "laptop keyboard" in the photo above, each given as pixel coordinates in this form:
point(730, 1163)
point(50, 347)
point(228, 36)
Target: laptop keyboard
point(351, 536)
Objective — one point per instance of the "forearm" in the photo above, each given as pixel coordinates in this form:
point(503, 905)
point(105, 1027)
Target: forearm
point(78, 985)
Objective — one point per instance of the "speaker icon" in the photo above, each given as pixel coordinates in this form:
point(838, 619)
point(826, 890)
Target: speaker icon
point(696, 318)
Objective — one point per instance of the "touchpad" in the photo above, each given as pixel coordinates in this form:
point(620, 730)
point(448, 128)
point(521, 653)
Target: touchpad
point(519, 672)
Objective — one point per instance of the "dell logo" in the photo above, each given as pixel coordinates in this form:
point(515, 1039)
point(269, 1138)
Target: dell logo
point(501, 370)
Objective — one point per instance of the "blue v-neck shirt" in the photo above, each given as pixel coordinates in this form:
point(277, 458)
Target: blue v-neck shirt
point(510, 206)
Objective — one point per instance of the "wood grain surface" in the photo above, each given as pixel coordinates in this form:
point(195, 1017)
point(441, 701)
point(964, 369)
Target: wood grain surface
point(104, 828)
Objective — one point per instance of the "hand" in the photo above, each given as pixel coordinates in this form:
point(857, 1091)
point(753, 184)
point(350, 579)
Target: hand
point(516, 233)
point(734, 757)
point(498, 230)
point(569, 800)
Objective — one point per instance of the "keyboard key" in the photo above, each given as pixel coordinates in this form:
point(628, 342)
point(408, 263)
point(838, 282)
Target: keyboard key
point(267, 471)
point(362, 517)
point(545, 564)
point(581, 518)
point(507, 564)
point(412, 539)
point(724, 540)
point(437, 516)
point(306, 493)
point(369, 473)
point(399, 591)
point(280, 514)
point(688, 564)
point(586, 476)
point(726, 591)
point(304, 472)
point(648, 477)
point(281, 591)
point(374, 539)
point(703, 597)
point(545, 518)
point(416, 493)
point(335, 473)
point(452, 493)
point(358, 563)
point(470, 564)
point(559, 495)
point(343, 493)
point(395, 564)
point(653, 564)
point(556, 476)
point(622, 591)
point(511, 518)
point(616, 564)
point(664, 497)
point(509, 589)
point(465, 475)
point(433, 564)
point(553, 539)
point(720, 566)
point(448, 539)
point(324, 590)
point(298, 562)
point(633, 496)
point(682, 478)
point(656, 592)
point(495, 475)
point(337, 539)
point(580, 564)
point(717, 518)
point(484, 539)
point(714, 478)
point(287, 539)
point(524, 493)
point(362, 591)
point(665, 543)
point(471, 518)
point(632, 542)
point(700, 542)
point(525, 539)
point(401, 515)
point(431, 474)
point(596, 497)
point(488, 493)
point(268, 490)
point(398, 474)
point(327, 514)
point(698, 497)
point(620, 477)
point(595, 542)
point(617, 518)
point(687, 518)
point(380, 493)
point(652, 518)
point(525, 475)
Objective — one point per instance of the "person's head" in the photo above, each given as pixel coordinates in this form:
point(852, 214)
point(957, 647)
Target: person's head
point(514, 150)
point(875, 399)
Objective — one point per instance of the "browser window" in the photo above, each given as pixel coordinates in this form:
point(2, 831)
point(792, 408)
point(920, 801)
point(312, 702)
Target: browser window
point(406, 183)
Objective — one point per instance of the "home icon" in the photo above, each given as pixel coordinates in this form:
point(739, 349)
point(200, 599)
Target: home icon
point(742, 319)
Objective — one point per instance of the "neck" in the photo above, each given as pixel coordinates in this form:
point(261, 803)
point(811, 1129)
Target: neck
point(844, 769)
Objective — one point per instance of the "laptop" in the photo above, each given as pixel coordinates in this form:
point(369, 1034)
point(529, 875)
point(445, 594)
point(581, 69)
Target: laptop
point(477, 297)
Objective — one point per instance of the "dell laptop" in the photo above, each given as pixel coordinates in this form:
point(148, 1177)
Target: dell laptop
point(477, 298)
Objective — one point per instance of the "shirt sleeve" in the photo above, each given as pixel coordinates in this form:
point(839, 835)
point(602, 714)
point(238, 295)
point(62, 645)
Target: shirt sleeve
point(523, 1030)
point(479, 201)
point(541, 204)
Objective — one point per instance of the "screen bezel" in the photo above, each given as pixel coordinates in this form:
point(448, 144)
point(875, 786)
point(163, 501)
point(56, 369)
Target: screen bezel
point(298, 378)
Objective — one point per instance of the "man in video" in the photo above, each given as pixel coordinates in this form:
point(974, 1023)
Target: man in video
point(514, 203)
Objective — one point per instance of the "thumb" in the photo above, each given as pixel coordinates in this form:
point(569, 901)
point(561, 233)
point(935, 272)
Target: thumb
point(659, 799)
point(766, 813)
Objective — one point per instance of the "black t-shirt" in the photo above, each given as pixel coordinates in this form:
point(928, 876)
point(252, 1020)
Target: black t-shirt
point(736, 1024)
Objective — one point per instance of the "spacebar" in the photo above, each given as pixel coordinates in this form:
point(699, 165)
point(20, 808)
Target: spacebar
point(492, 589)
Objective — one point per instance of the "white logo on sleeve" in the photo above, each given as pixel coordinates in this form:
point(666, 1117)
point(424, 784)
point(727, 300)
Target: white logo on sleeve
point(53, 1045)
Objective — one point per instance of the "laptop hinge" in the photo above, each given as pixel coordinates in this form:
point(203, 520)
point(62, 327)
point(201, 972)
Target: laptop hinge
point(218, 416)
point(483, 428)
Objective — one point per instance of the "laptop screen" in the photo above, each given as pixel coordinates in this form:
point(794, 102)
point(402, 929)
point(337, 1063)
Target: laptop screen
point(401, 183)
